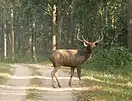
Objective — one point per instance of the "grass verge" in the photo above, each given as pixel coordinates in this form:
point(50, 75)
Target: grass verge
point(108, 87)
point(5, 69)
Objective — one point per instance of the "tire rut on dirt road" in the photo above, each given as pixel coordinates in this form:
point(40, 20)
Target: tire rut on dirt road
point(9, 94)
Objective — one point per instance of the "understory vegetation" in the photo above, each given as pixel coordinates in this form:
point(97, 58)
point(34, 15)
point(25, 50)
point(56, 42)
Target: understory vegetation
point(5, 69)
point(113, 60)
point(109, 72)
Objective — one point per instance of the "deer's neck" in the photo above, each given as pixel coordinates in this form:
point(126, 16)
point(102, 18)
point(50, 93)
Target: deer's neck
point(88, 53)
point(89, 50)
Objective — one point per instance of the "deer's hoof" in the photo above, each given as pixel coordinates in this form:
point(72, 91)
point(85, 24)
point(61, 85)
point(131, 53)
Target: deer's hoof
point(69, 84)
point(53, 86)
point(82, 85)
point(59, 86)
point(80, 82)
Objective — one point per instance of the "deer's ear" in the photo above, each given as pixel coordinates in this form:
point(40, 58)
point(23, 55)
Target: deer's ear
point(85, 44)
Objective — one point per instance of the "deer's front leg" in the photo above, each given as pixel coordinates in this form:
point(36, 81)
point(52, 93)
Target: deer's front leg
point(54, 76)
point(72, 73)
point(79, 75)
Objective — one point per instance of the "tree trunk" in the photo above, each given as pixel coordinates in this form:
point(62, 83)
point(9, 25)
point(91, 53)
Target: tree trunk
point(59, 30)
point(12, 32)
point(33, 42)
point(129, 36)
point(54, 28)
point(71, 27)
point(5, 35)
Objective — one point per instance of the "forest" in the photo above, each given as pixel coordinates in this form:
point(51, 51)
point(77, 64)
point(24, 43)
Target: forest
point(31, 29)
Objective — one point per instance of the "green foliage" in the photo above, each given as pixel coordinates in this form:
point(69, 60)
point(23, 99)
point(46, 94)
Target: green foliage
point(25, 59)
point(108, 75)
point(4, 68)
point(113, 60)
point(33, 25)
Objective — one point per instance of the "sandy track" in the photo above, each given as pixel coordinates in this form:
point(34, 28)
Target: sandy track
point(56, 94)
point(9, 94)
point(16, 89)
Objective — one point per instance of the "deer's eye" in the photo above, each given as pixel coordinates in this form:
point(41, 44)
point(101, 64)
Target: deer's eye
point(96, 44)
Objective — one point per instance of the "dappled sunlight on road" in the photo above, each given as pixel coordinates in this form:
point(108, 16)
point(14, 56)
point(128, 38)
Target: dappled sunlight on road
point(30, 77)
point(6, 75)
point(45, 88)
point(27, 78)
point(12, 93)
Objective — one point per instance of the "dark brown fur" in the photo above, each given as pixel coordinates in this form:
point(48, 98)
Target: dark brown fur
point(72, 58)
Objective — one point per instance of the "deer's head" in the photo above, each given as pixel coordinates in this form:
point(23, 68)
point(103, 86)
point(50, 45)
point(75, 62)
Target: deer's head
point(90, 44)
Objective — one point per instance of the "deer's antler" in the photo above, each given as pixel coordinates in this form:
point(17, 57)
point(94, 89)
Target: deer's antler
point(100, 39)
point(83, 39)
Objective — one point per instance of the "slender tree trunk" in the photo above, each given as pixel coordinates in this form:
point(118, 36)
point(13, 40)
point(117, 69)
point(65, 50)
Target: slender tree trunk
point(60, 23)
point(33, 42)
point(12, 32)
point(5, 42)
point(54, 28)
point(5, 35)
point(29, 47)
point(129, 37)
point(71, 27)
point(101, 20)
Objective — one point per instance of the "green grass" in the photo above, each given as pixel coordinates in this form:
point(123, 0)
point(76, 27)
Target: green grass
point(4, 68)
point(107, 87)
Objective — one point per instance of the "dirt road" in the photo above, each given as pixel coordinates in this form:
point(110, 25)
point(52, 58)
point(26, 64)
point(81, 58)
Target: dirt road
point(9, 92)
point(16, 89)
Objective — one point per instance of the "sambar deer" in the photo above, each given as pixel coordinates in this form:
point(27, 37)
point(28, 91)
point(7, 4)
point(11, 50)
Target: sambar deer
point(72, 58)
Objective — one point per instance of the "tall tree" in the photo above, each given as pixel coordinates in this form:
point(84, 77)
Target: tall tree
point(12, 31)
point(54, 28)
point(5, 34)
point(129, 37)
point(33, 41)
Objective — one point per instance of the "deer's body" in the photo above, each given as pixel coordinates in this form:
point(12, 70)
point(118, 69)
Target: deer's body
point(72, 58)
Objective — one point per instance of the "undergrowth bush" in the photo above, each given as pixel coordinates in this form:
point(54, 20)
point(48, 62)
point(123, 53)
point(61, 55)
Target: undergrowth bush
point(113, 60)
point(25, 59)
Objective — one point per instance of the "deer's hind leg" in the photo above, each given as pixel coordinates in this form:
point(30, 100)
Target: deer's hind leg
point(53, 74)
